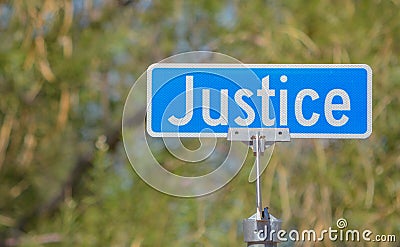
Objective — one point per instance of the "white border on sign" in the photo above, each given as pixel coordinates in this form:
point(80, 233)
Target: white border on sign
point(266, 66)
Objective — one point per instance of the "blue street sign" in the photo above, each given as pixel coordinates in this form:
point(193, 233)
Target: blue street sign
point(312, 101)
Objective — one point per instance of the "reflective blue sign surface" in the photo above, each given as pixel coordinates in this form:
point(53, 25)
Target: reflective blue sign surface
point(313, 101)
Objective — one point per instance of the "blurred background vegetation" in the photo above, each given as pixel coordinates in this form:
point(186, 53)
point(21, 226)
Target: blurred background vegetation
point(66, 67)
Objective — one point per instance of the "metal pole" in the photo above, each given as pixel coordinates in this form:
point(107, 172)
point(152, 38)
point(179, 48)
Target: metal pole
point(261, 228)
point(259, 208)
point(252, 227)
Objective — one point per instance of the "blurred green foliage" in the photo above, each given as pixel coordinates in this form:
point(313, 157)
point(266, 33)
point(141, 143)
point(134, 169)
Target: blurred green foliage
point(66, 68)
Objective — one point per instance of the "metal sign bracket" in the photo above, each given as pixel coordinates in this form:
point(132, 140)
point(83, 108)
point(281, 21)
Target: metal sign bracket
point(259, 228)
